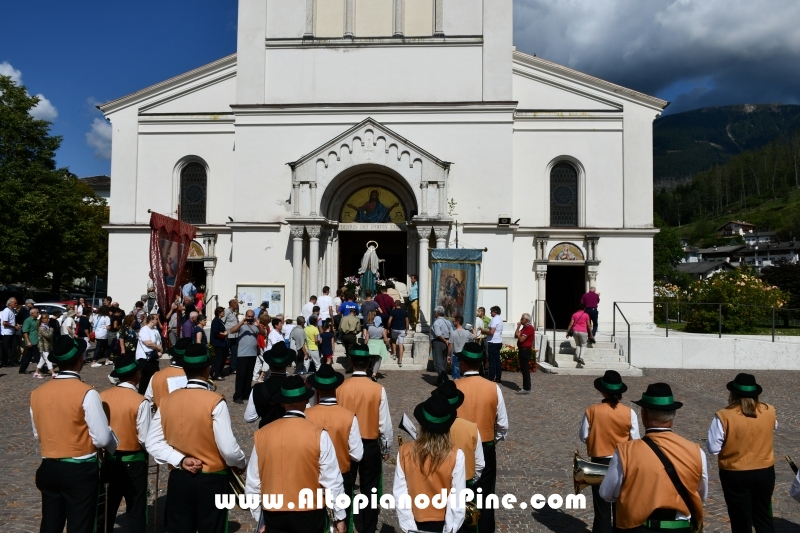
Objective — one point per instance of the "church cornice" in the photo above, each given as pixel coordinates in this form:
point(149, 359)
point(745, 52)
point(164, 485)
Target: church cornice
point(376, 42)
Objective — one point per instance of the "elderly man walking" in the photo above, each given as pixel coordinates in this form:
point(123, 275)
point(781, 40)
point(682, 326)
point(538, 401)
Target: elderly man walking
point(591, 300)
point(440, 343)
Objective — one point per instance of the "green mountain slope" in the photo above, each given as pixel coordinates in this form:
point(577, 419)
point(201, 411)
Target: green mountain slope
point(694, 141)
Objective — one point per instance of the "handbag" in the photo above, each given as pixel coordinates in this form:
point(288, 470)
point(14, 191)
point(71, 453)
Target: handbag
point(676, 481)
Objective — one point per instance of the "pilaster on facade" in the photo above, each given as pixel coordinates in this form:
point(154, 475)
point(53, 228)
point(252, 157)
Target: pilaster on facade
point(399, 18)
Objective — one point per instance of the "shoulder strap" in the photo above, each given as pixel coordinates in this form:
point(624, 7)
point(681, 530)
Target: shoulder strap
point(676, 481)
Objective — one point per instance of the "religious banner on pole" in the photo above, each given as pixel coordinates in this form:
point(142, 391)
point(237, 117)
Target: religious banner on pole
point(455, 274)
point(170, 240)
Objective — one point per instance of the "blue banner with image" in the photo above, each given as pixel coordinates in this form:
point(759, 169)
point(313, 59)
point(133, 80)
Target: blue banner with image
point(455, 277)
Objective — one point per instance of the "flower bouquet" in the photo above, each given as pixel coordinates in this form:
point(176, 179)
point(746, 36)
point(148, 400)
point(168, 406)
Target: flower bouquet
point(352, 285)
point(509, 359)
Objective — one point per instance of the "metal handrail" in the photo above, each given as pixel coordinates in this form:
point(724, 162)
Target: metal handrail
point(616, 307)
point(549, 312)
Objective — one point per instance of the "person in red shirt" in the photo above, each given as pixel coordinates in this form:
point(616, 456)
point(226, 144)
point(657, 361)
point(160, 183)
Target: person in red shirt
point(525, 335)
point(590, 301)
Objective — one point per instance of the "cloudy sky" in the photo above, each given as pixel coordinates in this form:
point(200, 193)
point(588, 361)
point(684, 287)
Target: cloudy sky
point(694, 53)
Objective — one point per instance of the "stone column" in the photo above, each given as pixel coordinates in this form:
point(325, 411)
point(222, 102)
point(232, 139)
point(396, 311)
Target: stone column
point(441, 236)
point(424, 233)
point(442, 199)
point(296, 198)
point(438, 18)
point(313, 187)
point(313, 259)
point(311, 8)
point(297, 269)
point(541, 282)
point(334, 261)
point(349, 18)
point(399, 17)
point(423, 209)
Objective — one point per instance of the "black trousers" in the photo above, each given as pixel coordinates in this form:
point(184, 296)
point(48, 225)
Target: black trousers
point(369, 473)
point(233, 350)
point(218, 363)
point(300, 362)
point(349, 478)
point(603, 511)
point(592, 312)
point(9, 357)
point(295, 522)
point(748, 495)
point(190, 503)
point(126, 480)
point(69, 495)
point(101, 347)
point(150, 367)
point(487, 482)
point(524, 363)
point(244, 377)
point(349, 340)
point(31, 354)
point(495, 370)
point(430, 526)
point(439, 358)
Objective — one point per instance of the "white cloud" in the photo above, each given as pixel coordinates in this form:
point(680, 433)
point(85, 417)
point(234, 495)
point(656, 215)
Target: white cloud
point(44, 110)
point(746, 49)
point(7, 70)
point(99, 138)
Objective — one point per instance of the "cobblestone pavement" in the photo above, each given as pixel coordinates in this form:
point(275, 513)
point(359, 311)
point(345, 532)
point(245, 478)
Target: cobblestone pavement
point(536, 458)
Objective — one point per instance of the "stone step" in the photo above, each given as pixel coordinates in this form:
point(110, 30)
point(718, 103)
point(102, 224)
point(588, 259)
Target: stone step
point(600, 360)
point(594, 364)
point(589, 351)
point(588, 371)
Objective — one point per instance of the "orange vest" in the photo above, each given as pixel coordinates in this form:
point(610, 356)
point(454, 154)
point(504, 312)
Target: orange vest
point(159, 382)
point(121, 406)
point(464, 435)
point(748, 441)
point(430, 484)
point(608, 426)
point(60, 419)
point(337, 421)
point(188, 425)
point(480, 404)
point(647, 487)
point(362, 396)
point(288, 459)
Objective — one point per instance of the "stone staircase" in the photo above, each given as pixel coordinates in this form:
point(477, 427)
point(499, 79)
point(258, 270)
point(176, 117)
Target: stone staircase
point(415, 355)
point(605, 354)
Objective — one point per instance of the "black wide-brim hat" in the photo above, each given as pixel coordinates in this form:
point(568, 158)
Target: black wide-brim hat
point(610, 383)
point(745, 386)
point(195, 356)
point(66, 349)
point(179, 348)
point(435, 414)
point(279, 356)
point(293, 390)
point(450, 393)
point(360, 350)
point(125, 365)
point(326, 378)
point(472, 351)
point(658, 397)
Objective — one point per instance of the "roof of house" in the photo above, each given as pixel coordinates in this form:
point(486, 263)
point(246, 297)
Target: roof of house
point(760, 234)
point(740, 222)
point(703, 267)
point(97, 182)
point(771, 247)
point(721, 249)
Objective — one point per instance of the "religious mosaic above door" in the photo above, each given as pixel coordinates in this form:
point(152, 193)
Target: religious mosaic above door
point(373, 205)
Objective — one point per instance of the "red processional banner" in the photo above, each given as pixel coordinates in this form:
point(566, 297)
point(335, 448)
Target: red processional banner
point(170, 240)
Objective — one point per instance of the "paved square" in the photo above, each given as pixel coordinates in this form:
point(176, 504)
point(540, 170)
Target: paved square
point(536, 458)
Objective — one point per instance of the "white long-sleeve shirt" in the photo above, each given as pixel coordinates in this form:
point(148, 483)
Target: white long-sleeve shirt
point(143, 415)
point(99, 431)
point(354, 443)
point(501, 420)
point(330, 477)
point(229, 449)
point(384, 418)
point(480, 462)
point(583, 432)
point(612, 483)
point(716, 436)
point(454, 516)
point(250, 413)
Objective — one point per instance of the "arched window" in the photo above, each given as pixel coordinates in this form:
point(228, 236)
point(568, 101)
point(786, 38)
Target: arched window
point(563, 195)
point(192, 206)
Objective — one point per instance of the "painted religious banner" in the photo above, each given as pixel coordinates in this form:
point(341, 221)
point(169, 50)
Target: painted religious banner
point(170, 241)
point(565, 251)
point(373, 205)
point(455, 277)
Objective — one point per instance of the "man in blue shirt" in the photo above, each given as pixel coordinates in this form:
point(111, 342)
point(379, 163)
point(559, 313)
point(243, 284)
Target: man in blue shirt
point(189, 289)
point(345, 308)
point(413, 297)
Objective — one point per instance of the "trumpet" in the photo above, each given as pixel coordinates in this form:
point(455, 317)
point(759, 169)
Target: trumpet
point(473, 514)
point(586, 474)
point(236, 482)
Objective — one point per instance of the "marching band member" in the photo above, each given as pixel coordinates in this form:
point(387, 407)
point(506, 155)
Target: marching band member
point(648, 499)
point(125, 471)
point(171, 378)
point(605, 425)
point(483, 405)
point(191, 431)
point(367, 400)
point(340, 423)
point(464, 434)
point(261, 403)
point(68, 420)
point(289, 455)
point(430, 465)
point(741, 436)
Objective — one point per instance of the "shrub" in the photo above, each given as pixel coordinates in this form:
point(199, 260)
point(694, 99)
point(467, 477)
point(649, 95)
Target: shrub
point(509, 359)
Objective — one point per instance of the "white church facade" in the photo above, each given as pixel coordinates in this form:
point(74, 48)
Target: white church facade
point(412, 123)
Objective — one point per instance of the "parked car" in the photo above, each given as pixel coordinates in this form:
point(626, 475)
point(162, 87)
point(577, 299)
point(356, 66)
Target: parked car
point(50, 307)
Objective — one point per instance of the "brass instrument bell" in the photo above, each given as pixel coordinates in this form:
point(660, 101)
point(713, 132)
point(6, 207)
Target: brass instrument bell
point(587, 474)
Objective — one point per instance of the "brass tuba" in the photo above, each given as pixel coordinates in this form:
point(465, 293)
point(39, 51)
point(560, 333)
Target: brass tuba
point(236, 481)
point(473, 514)
point(586, 474)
